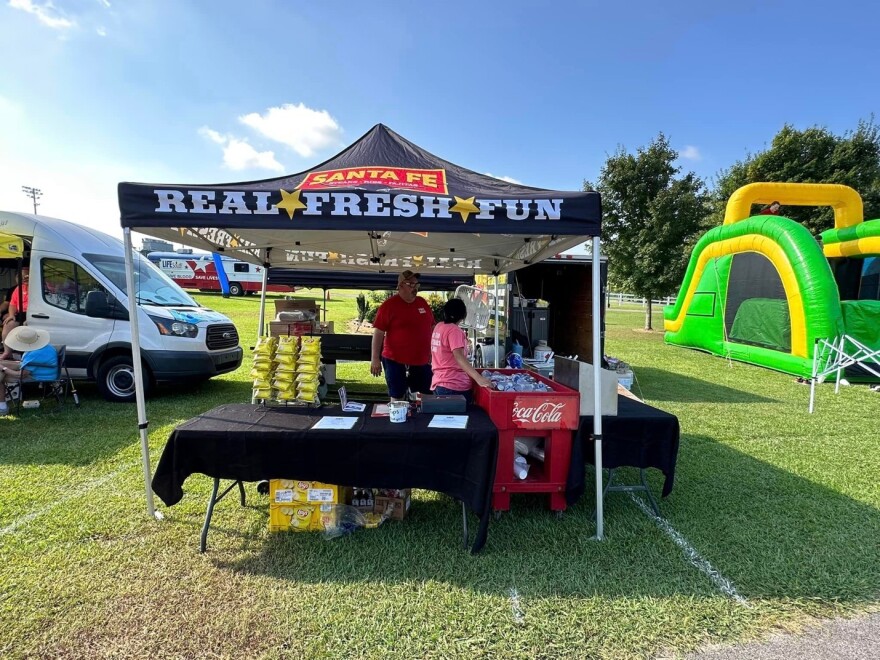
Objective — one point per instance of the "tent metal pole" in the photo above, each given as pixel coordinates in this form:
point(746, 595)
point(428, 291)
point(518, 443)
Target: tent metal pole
point(262, 329)
point(138, 371)
point(496, 321)
point(597, 388)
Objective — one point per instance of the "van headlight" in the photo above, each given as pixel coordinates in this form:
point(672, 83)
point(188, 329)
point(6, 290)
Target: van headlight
point(175, 328)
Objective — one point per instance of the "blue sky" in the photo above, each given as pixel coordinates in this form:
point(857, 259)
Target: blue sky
point(93, 92)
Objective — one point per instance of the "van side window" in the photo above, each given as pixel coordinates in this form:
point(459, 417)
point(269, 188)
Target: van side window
point(241, 268)
point(66, 285)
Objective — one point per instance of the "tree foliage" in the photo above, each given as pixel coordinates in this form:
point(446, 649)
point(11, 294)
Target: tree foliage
point(813, 155)
point(651, 216)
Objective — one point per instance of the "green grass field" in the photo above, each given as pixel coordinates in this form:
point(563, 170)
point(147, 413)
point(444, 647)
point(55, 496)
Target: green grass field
point(780, 506)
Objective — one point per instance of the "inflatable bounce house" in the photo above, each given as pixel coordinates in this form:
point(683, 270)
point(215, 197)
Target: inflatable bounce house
point(763, 290)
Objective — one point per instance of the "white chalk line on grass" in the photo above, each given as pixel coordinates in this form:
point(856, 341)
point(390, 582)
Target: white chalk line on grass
point(518, 616)
point(86, 488)
point(724, 585)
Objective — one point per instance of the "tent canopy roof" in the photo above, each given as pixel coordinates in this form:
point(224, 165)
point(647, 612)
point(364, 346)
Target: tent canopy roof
point(382, 204)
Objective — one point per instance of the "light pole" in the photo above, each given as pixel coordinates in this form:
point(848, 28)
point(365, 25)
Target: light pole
point(34, 194)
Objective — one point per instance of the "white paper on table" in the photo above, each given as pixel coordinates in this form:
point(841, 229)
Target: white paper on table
point(330, 422)
point(448, 422)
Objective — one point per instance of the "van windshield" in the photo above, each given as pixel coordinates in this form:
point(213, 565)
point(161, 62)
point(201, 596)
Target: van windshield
point(152, 285)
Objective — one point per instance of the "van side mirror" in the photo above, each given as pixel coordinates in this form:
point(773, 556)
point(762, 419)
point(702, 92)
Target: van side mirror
point(101, 305)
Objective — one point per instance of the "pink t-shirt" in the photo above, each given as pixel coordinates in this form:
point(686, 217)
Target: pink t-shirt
point(445, 339)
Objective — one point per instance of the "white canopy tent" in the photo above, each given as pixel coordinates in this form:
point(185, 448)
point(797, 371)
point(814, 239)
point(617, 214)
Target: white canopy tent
point(381, 205)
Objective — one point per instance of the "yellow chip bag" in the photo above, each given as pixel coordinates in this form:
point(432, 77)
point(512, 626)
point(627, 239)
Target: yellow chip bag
point(263, 393)
point(285, 359)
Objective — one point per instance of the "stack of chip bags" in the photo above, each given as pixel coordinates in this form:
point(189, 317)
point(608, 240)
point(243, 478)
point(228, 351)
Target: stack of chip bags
point(264, 367)
point(284, 380)
point(308, 369)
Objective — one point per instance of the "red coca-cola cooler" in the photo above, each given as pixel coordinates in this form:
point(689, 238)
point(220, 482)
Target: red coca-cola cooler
point(551, 416)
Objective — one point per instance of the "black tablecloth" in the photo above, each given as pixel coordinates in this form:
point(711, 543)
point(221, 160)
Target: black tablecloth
point(250, 443)
point(638, 436)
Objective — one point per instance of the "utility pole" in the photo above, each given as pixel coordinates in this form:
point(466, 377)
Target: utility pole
point(34, 194)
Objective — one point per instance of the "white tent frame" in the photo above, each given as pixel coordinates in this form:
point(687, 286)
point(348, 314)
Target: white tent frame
point(834, 355)
point(139, 375)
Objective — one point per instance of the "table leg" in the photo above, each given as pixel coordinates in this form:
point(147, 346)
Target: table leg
point(464, 524)
point(203, 541)
point(648, 492)
point(631, 489)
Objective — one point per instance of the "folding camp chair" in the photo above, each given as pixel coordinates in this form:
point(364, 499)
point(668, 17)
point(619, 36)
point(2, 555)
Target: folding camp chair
point(58, 386)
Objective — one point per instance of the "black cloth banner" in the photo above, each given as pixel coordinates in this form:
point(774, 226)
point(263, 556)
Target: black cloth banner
point(246, 442)
point(323, 279)
point(638, 436)
point(382, 182)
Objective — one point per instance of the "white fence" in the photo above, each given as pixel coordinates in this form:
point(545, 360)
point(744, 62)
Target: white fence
point(627, 299)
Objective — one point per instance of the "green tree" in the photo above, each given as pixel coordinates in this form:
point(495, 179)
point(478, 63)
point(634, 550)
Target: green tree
point(651, 216)
point(813, 155)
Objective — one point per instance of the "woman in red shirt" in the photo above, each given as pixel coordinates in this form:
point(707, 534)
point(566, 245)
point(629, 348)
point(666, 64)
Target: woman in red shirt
point(18, 303)
point(402, 340)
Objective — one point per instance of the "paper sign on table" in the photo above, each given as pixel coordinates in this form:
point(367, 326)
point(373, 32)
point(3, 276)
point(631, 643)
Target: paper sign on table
point(330, 422)
point(448, 422)
point(349, 406)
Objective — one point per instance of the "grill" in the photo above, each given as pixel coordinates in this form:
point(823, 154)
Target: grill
point(221, 336)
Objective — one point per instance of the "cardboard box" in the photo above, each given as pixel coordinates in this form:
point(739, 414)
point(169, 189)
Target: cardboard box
point(302, 517)
point(305, 304)
point(278, 328)
point(579, 376)
point(288, 491)
point(324, 328)
point(400, 505)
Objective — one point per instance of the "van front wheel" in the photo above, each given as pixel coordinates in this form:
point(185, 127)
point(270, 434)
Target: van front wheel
point(116, 379)
point(236, 289)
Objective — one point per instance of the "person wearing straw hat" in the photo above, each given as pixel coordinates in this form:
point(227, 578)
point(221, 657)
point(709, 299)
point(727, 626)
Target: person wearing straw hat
point(39, 360)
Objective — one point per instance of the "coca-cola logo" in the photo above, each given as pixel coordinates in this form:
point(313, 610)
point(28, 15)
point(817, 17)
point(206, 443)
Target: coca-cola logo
point(546, 413)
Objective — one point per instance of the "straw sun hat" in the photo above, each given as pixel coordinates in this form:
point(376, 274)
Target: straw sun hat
point(23, 339)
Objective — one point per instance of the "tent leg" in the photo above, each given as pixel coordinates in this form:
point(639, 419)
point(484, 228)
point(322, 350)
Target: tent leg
point(138, 371)
point(597, 390)
point(262, 327)
point(496, 322)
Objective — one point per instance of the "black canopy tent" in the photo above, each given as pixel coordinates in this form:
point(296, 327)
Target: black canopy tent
point(381, 205)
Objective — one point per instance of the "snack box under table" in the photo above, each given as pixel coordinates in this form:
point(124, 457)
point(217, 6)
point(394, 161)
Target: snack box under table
point(553, 416)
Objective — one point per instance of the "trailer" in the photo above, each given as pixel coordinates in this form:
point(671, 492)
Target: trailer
point(199, 271)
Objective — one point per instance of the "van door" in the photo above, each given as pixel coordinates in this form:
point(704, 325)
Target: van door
point(57, 303)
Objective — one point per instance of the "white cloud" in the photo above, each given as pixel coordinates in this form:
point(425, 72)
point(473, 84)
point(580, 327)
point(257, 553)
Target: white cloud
point(46, 13)
point(690, 152)
point(106, 3)
point(239, 155)
point(302, 129)
point(509, 179)
point(101, 31)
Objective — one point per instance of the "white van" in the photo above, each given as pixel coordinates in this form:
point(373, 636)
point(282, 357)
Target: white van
point(179, 338)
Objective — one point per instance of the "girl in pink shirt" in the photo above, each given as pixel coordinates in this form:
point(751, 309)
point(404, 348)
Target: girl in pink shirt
point(452, 371)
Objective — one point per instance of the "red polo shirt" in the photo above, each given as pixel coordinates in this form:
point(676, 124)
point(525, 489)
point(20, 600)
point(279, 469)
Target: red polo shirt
point(407, 328)
point(16, 299)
